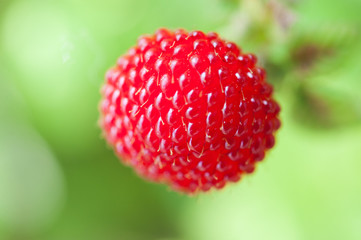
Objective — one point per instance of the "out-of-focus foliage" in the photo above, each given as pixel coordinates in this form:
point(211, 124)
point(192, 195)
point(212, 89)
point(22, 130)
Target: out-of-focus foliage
point(59, 180)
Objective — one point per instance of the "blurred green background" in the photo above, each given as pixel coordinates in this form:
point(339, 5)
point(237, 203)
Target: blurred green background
point(59, 180)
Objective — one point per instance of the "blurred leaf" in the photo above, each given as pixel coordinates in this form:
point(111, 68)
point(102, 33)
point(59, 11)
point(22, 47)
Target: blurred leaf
point(31, 181)
point(321, 48)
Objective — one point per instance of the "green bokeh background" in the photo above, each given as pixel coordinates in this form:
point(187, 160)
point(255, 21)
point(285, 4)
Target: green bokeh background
point(59, 180)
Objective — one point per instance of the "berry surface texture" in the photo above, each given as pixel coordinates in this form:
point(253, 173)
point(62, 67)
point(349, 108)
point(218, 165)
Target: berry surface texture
point(188, 109)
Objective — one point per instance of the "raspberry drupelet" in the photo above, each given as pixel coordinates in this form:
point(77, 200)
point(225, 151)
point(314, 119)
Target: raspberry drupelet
point(189, 110)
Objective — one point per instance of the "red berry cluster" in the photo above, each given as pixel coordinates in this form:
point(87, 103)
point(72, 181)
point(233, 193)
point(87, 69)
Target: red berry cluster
point(189, 110)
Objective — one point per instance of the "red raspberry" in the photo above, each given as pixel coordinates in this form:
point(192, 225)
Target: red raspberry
point(189, 110)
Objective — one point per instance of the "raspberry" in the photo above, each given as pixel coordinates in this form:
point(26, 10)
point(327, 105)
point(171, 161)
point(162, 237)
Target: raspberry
point(189, 110)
